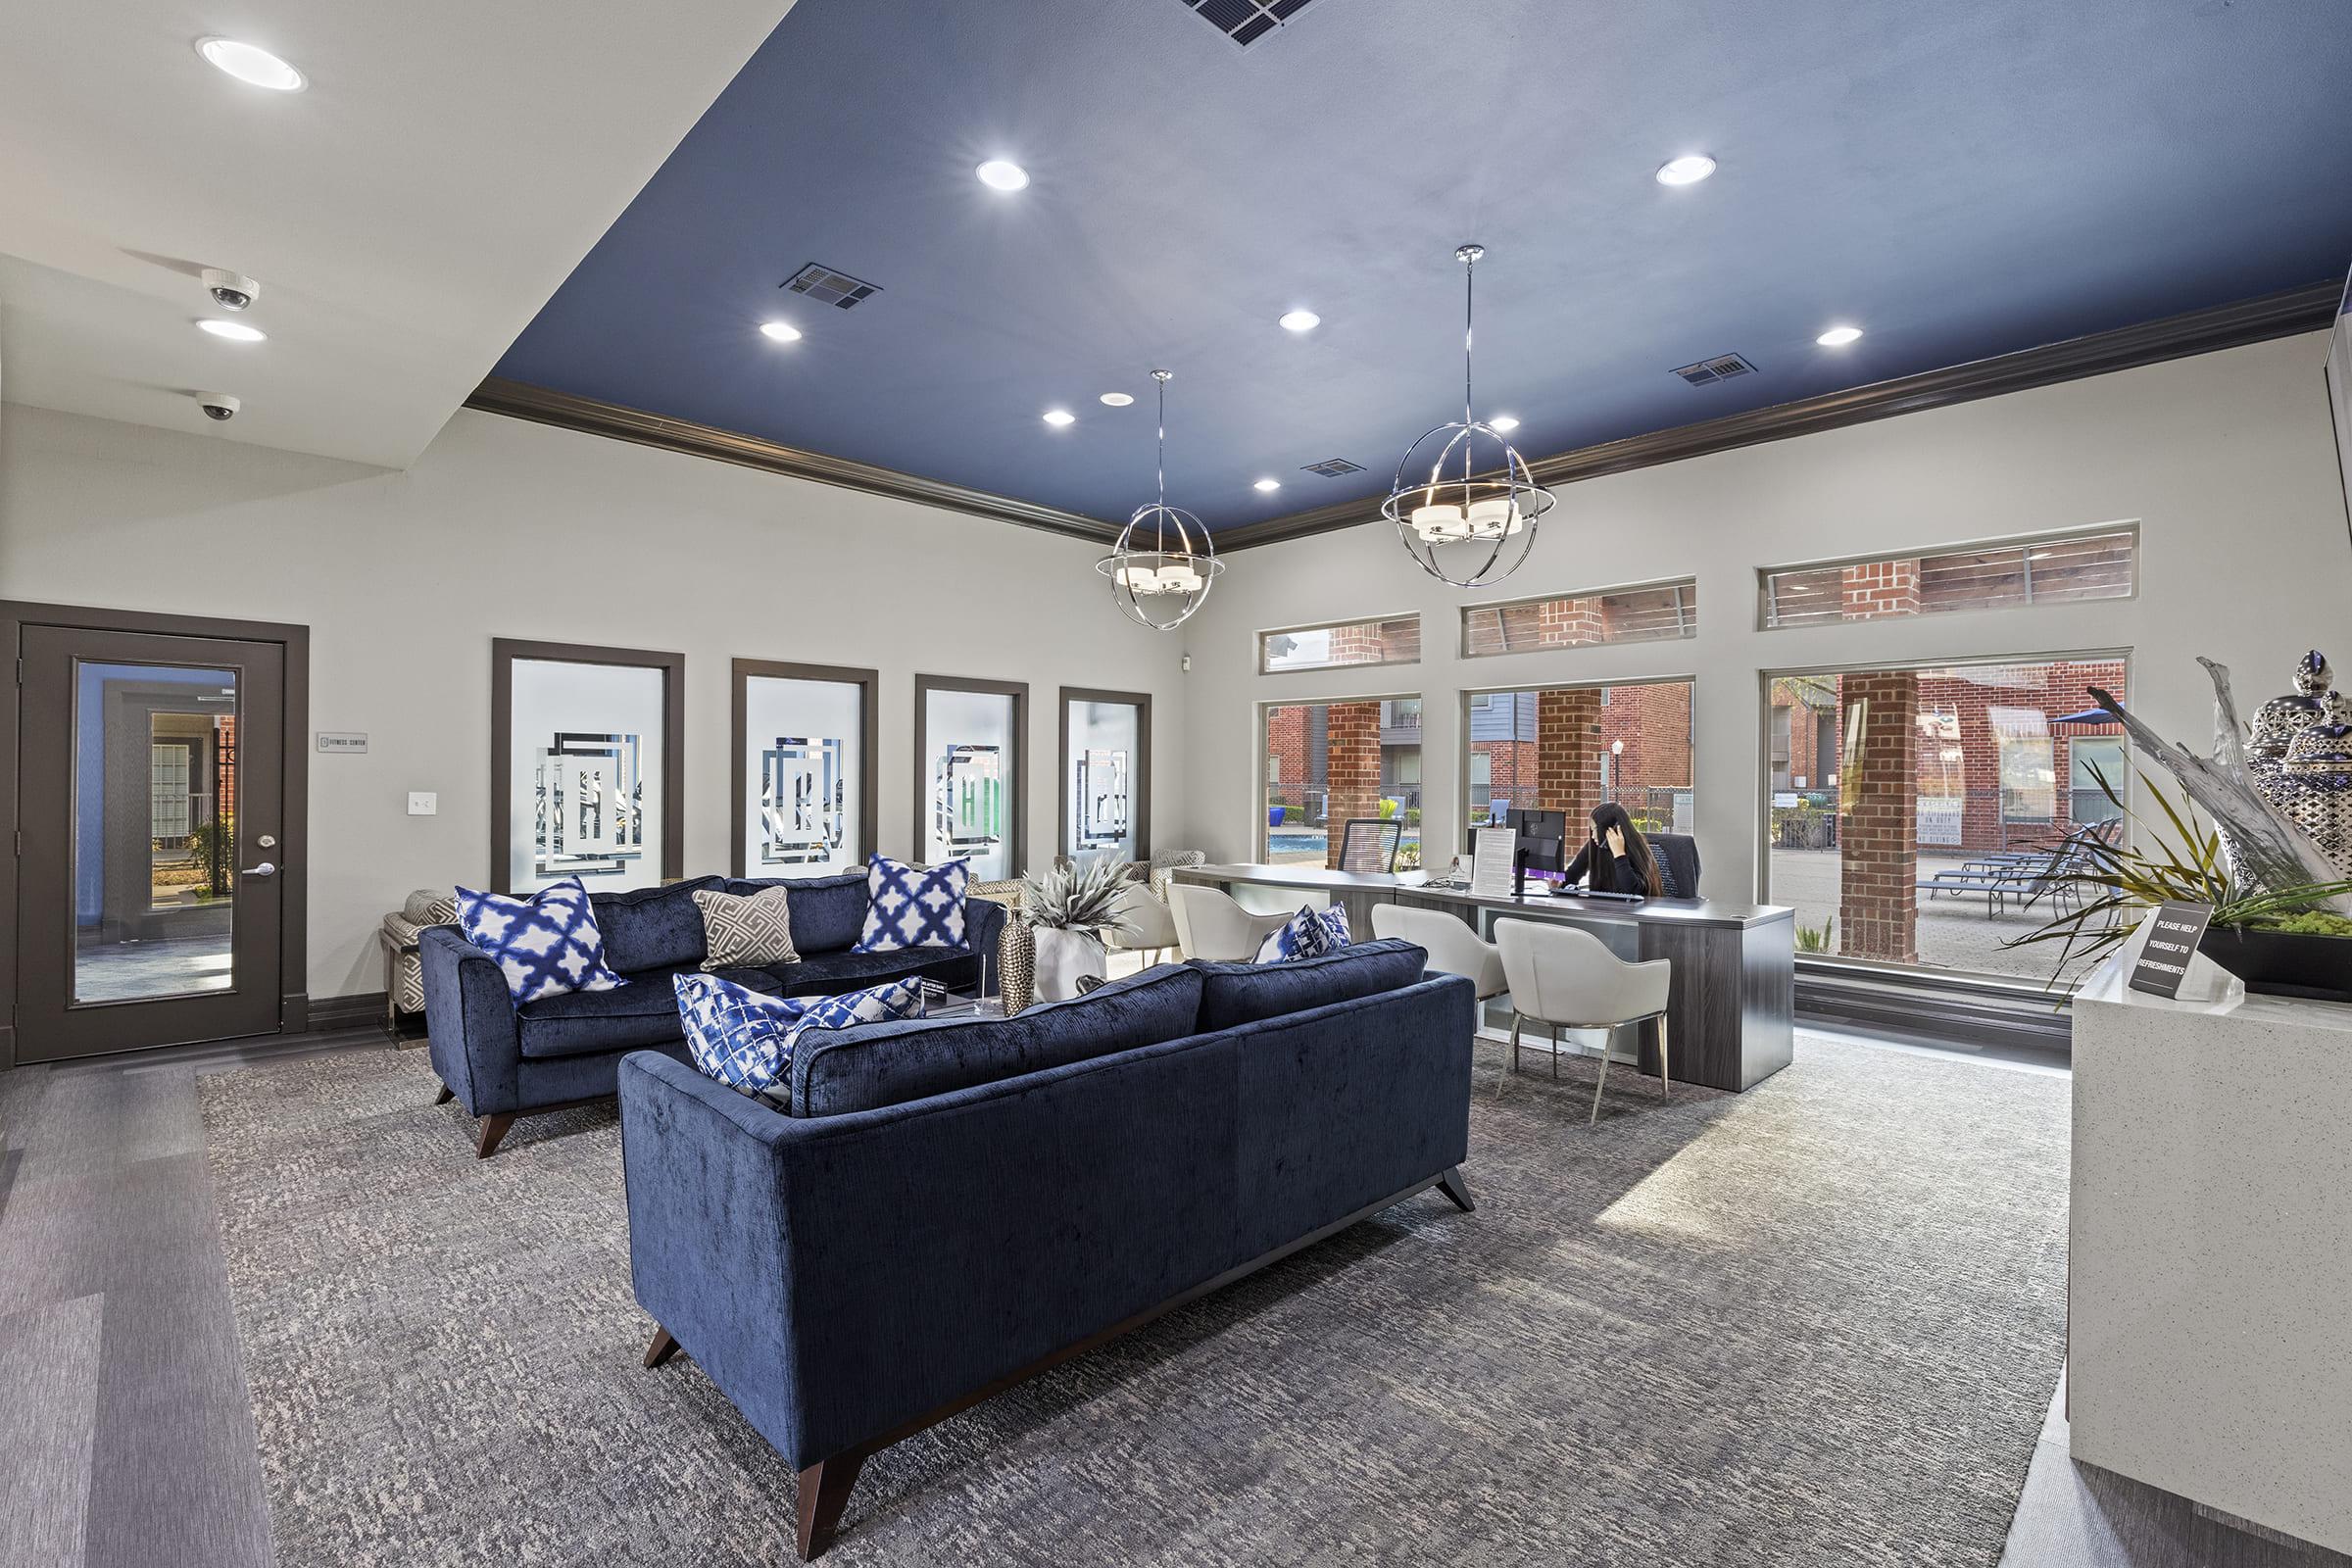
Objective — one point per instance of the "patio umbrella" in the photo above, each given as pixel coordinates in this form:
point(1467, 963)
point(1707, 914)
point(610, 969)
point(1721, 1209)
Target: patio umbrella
point(2088, 718)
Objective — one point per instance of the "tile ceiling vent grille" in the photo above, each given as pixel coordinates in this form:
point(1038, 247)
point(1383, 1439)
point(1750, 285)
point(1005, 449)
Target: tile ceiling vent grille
point(1333, 468)
point(1724, 369)
point(1245, 22)
point(829, 287)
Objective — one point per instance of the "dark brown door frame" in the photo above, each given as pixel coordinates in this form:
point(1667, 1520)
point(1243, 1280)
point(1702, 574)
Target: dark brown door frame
point(294, 1001)
point(869, 744)
point(1016, 841)
point(503, 651)
point(1141, 701)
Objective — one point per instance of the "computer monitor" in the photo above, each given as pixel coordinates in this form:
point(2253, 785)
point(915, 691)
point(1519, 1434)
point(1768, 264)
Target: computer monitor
point(1544, 854)
point(1530, 823)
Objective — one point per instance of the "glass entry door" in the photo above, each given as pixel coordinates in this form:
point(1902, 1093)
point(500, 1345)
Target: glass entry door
point(149, 895)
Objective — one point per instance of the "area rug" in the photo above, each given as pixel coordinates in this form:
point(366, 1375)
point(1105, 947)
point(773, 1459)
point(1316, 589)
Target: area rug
point(1815, 1323)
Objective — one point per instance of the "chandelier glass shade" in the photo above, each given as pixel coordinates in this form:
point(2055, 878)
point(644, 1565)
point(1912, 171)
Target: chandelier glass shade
point(1463, 501)
point(1163, 565)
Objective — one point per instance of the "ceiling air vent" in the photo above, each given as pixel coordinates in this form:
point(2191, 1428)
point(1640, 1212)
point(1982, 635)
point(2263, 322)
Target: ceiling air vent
point(1245, 22)
point(828, 287)
point(1333, 468)
point(1717, 369)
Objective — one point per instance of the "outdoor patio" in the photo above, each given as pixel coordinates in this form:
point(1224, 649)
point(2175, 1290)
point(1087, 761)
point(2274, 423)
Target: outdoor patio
point(1956, 931)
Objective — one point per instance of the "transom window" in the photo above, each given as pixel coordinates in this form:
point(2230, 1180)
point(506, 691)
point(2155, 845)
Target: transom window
point(1653, 612)
point(2053, 568)
point(1392, 640)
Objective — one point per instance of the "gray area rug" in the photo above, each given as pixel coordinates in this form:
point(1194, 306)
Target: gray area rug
point(1816, 1323)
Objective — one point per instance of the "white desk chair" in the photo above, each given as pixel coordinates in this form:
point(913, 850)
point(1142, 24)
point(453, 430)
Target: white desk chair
point(1564, 978)
point(1210, 925)
point(1143, 923)
point(1452, 947)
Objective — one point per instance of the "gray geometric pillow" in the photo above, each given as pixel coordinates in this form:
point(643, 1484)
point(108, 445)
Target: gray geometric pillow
point(753, 930)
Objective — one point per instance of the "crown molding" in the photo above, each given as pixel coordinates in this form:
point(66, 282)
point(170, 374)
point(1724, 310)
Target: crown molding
point(2309, 308)
point(520, 400)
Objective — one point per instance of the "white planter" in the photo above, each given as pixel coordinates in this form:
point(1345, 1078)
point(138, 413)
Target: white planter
point(1063, 959)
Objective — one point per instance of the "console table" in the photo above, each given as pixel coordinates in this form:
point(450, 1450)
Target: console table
point(1732, 1012)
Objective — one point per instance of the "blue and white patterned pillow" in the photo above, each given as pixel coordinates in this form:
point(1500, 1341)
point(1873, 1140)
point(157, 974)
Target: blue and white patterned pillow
point(1308, 934)
point(545, 945)
point(908, 907)
point(745, 1040)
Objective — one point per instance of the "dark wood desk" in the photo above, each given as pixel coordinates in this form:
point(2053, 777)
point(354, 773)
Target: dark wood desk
point(1732, 1012)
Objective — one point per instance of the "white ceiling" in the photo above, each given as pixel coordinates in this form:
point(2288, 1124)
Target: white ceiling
point(406, 214)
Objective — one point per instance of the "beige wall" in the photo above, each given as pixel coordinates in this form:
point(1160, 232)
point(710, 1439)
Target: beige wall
point(509, 529)
point(2226, 461)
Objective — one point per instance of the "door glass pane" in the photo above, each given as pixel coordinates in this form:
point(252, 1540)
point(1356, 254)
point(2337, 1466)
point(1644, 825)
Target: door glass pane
point(155, 803)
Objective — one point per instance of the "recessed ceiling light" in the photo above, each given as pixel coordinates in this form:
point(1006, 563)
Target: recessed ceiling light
point(1301, 321)
point(234, 331)
point(1687, 170)
point(251, 64)
point(1268, 485)
point(1058, 418)
point(1506, 422)
point(1838, 337)
point(780, 331)
point(1117, 399)
point(998, 175)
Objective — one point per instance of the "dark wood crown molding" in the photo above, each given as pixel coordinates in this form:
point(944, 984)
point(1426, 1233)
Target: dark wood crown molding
point(2309, 308)
point(520, 400)
point(2223, 326)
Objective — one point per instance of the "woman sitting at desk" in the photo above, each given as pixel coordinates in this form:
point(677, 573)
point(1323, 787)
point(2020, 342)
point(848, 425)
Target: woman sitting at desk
point(1617, 859)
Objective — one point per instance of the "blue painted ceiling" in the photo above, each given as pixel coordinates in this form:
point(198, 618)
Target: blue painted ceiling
point(1960, 181)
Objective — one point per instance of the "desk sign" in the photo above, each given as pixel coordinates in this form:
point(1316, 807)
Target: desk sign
point(2174, 931)
point(1491, 867)
point(340, 741)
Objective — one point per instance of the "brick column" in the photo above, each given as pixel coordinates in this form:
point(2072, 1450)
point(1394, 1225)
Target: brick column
point(1878, 905)
point(1568, 755)
point(1352, 731)
point(1569, 623)
point(1881, 588)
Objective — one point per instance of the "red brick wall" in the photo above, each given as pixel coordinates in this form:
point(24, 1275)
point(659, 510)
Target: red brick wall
point(1568, 748)
point(1286, 741)
point(1877, 908)
point(1877, 589)
point(1354, 777)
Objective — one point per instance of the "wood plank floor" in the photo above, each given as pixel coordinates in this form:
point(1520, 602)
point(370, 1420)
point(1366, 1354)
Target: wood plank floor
point(125, 1436)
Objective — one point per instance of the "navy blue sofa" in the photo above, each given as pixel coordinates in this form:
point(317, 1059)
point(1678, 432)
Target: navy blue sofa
point(947, 1207)
point(502, 1061)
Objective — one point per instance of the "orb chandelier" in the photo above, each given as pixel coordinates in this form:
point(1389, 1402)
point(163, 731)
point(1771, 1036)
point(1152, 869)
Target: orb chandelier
point(1163, 565)
point(1478, 496)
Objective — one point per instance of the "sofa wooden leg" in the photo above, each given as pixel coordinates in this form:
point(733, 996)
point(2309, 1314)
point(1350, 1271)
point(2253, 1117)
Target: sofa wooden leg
point(492, 1128)
point(663, 1347)
point(1453, 1187)
point(446, 1094)
point(824, 1491)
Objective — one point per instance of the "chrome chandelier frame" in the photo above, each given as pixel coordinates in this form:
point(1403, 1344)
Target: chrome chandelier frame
point(1480, 505)
point(1150, 572)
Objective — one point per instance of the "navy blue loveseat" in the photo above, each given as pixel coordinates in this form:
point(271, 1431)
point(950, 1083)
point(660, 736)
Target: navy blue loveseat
point(501, 1061)
point(948, 1207)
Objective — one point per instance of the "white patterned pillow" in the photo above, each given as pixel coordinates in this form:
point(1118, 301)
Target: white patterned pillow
point(1308, 934)
point(746, 928)
point(745, 1040)
point(545, 945)
point(908, 907)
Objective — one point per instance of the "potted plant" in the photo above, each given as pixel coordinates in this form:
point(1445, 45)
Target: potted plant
point(1071, 909)
point(2280, 940)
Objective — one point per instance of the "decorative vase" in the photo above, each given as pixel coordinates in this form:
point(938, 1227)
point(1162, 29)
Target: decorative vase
point(1016, 966)
point(1063, 959)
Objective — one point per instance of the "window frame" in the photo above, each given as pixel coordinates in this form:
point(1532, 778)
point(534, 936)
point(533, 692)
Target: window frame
point(1266, 706)
point(2022, 542)
point(1963, 980)
point(1262, 636)
point(1461, 767)
point(1689, 619)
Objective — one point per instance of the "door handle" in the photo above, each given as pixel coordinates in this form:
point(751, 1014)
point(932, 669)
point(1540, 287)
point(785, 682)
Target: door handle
point(262, 870)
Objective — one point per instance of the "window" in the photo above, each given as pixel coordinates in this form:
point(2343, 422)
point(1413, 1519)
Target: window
point(1394, 641)
point(2054, 568)
point(1329, 763)
point(1652, 613)
point(1571, 748)
point(1919, 807)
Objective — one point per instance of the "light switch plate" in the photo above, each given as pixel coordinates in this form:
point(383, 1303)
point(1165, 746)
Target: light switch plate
point(423, 803)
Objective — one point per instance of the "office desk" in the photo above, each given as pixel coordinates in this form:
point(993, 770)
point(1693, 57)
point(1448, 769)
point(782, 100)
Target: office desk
point(1731, 1011)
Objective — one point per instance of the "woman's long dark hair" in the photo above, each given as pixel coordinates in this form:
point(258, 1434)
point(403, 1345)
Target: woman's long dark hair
point(1637, 852)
